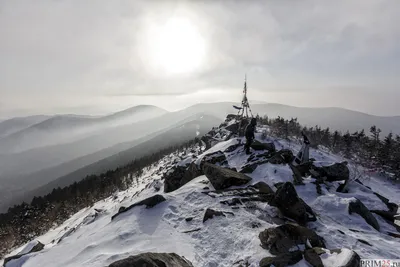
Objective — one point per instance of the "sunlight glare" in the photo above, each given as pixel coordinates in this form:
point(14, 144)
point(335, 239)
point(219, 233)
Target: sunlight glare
point(176, 47)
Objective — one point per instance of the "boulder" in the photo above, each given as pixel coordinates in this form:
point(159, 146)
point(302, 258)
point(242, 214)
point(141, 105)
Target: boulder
point(251, 167)
point(342, 257)
point(291, 206)
point(304, 168)
point(230, 117)
point(153, 260)
point(263, 188)
point(214, 158)
point(148, 202)
point(312, 257)
point(172, 179)
point(358, 207)
point(282, 260)
point(234, 128)
point(210, 213)
point(222, 178)
point(335, 172)
point(34, 246)
point(257, 145)
point(287, 238)
point(179, 176)
point(283, 156)
point(387, 215)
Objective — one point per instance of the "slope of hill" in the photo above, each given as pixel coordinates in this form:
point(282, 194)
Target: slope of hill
point(67, 128)
point(212, 224)
point(44, 181)
point(14, 125)
point(335, 118)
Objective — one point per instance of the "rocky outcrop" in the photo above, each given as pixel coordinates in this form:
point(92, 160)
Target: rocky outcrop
point(153, 260)
point(32, 247)
point(291, 206)
point(282, 260)
point(148, 202)
point(287, 238)
point(222, 178)
point(263, 188)
point(234, 128)
point(335, 172)
point(358, 207)
point(251, 167)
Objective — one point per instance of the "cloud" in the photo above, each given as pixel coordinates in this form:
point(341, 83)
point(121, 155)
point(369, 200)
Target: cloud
point(79, 49)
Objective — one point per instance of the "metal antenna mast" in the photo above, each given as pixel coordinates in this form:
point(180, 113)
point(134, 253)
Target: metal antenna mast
point(245, 108)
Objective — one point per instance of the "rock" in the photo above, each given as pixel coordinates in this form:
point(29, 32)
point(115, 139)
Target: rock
point(153, 260)
point(291, 206)
point(213, 158)
point(387, 215)
point(263, 188)
point(230, 117)
point(391, 206)
point(222, 178)
point(172, 179)
point(191, 172)
point(335, 172)
point(34, 246)
point(207, 141)
point(287, 237)
point(251, 167)
point(189, 219)
point(297, 176)
point(358, 207)
point(283, 156)
point(257, 145)
point(348, 258)
point(179, 176)
point(148, 202)
point(282, 260)
point(210, 213)
point(232, 148)
point(312, 257)
point(304, 168)
point(234, 128)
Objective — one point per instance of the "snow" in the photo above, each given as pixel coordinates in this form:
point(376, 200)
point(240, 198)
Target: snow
point(91, 239)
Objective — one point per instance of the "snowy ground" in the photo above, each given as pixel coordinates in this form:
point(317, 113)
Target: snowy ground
point(96, 241)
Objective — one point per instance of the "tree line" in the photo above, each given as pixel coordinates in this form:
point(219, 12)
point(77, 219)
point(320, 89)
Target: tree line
point(370, 149)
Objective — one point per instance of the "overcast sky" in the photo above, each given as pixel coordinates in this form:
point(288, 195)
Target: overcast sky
point(97, 56)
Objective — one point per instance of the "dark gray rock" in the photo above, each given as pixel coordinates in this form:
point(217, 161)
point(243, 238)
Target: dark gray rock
point(312, 257)
point(263, 188)
point(282, 260)
point(287, 237)
point(214, 158)
point(36, 248)
point(234, 128)
point(251, 167)
point(291, 206)
point(359, 208)
point(283, 156)
point(222, 178)
point(257, 145)
point(148, 202)
point(232, 148)
point(335, 172)
point(153, 260)
point(179, 176)
point(210, 213)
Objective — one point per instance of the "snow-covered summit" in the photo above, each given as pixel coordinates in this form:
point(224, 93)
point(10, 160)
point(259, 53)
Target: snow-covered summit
point(232, 226)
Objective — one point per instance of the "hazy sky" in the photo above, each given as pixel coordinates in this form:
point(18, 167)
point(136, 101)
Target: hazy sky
point(96, 56)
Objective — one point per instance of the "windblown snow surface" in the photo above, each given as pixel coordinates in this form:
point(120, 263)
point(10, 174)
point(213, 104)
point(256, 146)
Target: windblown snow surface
point(91, 239)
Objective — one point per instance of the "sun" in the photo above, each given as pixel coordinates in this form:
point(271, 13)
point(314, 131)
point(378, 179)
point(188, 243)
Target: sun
point(176, 47)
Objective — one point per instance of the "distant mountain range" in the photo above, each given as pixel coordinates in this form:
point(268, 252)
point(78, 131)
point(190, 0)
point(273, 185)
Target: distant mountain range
point(39, 152)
